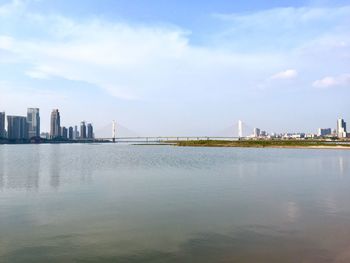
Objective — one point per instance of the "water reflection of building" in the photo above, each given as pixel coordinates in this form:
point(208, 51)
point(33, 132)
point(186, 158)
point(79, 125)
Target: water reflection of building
point(54, 165)
point(2, 168)
point(292, 211)
point(22, 171)
point(33, 174)
point(344, 166)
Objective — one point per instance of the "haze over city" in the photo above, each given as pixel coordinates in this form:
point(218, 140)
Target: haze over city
point(161, 68)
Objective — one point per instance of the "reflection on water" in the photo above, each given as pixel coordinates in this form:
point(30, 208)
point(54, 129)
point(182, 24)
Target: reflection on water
point(20, 171)
point(341, 165)
point(93, 203)
point(2, 169)
point(55, 164)
point(292, 211)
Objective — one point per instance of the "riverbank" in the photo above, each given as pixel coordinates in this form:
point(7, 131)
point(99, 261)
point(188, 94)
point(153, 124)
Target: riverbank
point(267, 144)
point(44, 141)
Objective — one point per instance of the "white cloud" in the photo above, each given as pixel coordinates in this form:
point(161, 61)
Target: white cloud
point(12, 7)
point(287, 74)
point(328, 82)
point(136, 61)
point(132, 62)
point(6, 42)
point(37, 74)
point(281, 29)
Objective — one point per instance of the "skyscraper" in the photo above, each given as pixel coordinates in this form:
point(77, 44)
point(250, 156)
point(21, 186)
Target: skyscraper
point(2, 124)
point(90, 131)
point(33, 121)
point(64, 133)
point(17, 127)
point(70, 133)
point(55, 131)
point(341, 128)
point(83, 130)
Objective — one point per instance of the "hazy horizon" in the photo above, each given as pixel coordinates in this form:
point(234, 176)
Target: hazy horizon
point(177, 68)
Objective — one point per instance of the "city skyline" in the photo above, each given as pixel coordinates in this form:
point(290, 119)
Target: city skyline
point(187, 68)
point(28, 127)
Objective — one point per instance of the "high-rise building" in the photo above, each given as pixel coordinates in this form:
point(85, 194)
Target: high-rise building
point(70, 133)
point(256, 132)
point(17, 127)
point(341, 128)
point(55, 131)
point(33, 122)
point(324, 132)
point(2, 124)
point(75, 134)
point(64, 133)
point(83, 130)
point(90, 131)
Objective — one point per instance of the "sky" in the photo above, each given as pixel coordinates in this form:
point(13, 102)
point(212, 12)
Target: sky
point(178, 68)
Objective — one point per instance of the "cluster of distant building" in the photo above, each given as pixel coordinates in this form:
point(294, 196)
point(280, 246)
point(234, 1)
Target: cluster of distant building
point(27, 128)
point(340, 132)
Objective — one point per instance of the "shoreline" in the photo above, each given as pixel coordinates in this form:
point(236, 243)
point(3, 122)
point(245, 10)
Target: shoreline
point(280, 144)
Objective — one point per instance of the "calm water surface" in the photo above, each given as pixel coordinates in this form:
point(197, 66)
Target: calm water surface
point(124, 203)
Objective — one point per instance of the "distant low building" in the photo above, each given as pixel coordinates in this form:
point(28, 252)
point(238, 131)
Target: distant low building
point(294, 136)
point(45, 135)
point(256, 132)
point(263, 133)
point(310, 135)
point(324, 132)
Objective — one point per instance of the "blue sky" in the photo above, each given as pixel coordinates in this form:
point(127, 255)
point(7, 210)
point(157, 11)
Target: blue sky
point(178, 67)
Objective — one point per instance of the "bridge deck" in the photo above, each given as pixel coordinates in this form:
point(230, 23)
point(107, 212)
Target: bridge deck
point(165, 138)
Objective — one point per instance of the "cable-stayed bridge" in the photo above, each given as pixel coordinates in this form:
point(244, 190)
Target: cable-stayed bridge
point(120, 133)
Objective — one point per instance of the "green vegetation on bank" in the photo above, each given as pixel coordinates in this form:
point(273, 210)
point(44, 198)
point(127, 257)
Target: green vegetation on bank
point(261, 143)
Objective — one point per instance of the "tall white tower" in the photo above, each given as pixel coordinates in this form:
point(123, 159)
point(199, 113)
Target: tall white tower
point(114, 130)
point(240, 129)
